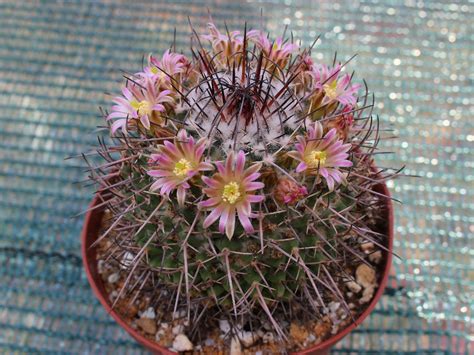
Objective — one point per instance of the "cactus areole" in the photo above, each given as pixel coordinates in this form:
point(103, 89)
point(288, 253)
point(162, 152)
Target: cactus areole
point(239, 185)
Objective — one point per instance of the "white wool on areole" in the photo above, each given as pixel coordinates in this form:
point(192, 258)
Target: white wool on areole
point(211, 117)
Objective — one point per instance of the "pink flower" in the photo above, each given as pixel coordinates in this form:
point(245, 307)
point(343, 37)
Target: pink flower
point(138, 105)
point(321, 154)
point(231, 191)
point(289, 192)
point(277, 52)
point(226, 47)
point(335, 88)
point(176, 163)
point(171, 65)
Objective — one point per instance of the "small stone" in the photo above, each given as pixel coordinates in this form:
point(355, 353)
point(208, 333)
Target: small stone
point(268, 337)
point(367, 295)
point(149, 313)
point(311, 338)
point(127, 259)
point(235, 348)
point(365, 276)
point(113, 278)
point(247, 338)
point(260, 352)
point(298, 333)
point(182, 343)
point(322, 328)
point(164, 325)
point(159, 334)
point(349, 294)
point(267, 326)
point(209, 342)
point(367, 247)
point(351, 305)
point(376, 257)
point(353, 286)
point(101, 266)
point(179, 314)
point(126, 309)
point(147, 325)
point(334, 306)
point(178, 329)
point(113, 295)
point(224, 326)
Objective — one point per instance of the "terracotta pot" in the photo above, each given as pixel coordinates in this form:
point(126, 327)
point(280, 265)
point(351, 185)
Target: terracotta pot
point(90, 231)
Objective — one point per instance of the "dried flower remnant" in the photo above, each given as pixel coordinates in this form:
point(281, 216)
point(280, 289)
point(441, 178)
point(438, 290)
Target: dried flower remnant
point(343, 122)
point(289, 191)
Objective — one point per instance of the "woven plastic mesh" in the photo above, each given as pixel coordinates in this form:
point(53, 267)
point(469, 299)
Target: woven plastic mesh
point(58, 58)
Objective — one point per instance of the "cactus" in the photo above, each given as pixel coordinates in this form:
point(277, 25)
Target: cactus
point(240, 180)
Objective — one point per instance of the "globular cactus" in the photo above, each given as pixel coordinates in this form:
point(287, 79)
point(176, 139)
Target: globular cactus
point(241, 178)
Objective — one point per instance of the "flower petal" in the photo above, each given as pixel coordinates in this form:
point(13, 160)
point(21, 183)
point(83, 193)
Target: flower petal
point(212, 217)
point(245, 221)
point(181, 195)
point(301, 167)
point(230, 226)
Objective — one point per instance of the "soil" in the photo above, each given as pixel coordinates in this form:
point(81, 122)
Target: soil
point(169, 329)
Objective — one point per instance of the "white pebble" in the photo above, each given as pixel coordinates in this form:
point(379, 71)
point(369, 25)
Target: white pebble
point(235, 348)
point(178, 329)
point(268, 337)
point(179, 314)
point(149, 313)
point(247, 338)
point(224, 326)
point(376, 257)
point(182, 343)
point(127, 259)
point(354, 286)
point(367, 295)
point(113, 295)
point(334, 306)
point(101, 266)
point(209, 342)
point(113, 278)
point(159, 334)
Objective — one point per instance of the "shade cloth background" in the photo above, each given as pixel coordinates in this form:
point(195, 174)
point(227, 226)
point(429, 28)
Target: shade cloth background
point(57, 58)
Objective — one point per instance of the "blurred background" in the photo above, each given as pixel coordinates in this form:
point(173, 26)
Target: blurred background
point(59, 58)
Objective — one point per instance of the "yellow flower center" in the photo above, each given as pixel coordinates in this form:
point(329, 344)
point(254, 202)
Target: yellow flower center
point(316, 158)
point(154, 70)
point(143, 107)
point(331, 90)
point(182, 168)
point(231, 192)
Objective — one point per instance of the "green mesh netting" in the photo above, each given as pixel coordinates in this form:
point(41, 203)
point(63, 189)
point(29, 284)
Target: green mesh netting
point(58, 58)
